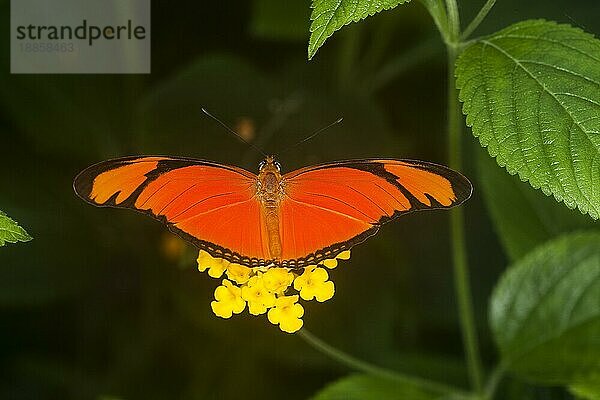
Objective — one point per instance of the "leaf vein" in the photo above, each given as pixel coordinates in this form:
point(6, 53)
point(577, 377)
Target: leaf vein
point(546, 39)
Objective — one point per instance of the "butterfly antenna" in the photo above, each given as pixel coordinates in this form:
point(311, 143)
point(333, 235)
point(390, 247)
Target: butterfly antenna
point(309, 137)
point(228, 129)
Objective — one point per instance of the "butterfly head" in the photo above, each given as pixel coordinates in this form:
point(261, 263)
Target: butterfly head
point(269, 164)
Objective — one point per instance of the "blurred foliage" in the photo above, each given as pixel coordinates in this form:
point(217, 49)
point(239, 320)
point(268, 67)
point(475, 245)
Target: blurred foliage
point(367, 387)
point(587, 390)
point(523, 217)
point(280, 21)
point(105, 305)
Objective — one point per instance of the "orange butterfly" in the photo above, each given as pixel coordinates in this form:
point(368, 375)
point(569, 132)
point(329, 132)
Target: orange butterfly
point(292, 220)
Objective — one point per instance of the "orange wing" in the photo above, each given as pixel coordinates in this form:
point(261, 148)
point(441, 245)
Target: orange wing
point(325, 210)
point(331, 207)
point(211, 205)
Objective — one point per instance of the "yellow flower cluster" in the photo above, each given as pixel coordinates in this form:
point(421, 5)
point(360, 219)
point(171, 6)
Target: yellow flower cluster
point(271, 290)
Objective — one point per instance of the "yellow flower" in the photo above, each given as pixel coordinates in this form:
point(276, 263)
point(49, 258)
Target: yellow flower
point(215, 266)
point(333, 262)
point(277, 280)
point(228, 300)
point(238, 273)
point(287, 313)
point(259, 298)
point(344, 255)
point(263, 289)
point(313, 283)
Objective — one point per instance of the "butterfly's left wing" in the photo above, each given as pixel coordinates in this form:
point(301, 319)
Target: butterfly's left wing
point(214, 206)
point(329, 208)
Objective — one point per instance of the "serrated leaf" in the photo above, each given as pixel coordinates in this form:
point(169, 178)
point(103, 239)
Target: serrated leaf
point(368, 387)
point(523, 217)
point(11, 232)
point(545, 312)
point(531, 94)
point(330, 15)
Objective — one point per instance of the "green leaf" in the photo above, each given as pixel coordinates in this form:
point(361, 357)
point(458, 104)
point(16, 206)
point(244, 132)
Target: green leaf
point(330, 15)
point(368, 387)
point(523, 217)
point(545, 315)
point(11, 232)
point(531, 94)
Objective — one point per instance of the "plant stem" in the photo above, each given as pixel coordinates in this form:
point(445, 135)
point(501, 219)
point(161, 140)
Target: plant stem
point(453, 21)
point(359, 365)
point(457, 237)
point(437, 10)
point(457, 227)
point(478, 18)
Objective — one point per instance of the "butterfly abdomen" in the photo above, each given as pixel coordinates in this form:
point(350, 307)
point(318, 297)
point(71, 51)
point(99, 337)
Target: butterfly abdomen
point(270, 193)
point(272, 225)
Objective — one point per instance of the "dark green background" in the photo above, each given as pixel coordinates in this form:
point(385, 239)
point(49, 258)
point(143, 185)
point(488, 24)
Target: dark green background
point(95, 307)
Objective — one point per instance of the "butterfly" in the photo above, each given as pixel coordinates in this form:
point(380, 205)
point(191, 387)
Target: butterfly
point(290, 220)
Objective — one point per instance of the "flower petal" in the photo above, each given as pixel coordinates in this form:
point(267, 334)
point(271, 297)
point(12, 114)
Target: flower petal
point(291, 325)
point(344, 255)
point(325, 291)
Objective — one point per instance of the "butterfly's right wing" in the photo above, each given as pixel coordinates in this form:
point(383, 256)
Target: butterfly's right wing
point(331, 207)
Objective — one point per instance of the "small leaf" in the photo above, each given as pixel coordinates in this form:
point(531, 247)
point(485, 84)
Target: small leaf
point(368, 387)
point(523, 217)
point(545, 312)
point(11, 232)
point(330, 15)
point(531, 94)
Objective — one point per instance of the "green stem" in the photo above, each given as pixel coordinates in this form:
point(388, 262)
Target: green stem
point(437, 10)
point(362, 366)
point(478, 18)
point(457, 229)
point(453, 21)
